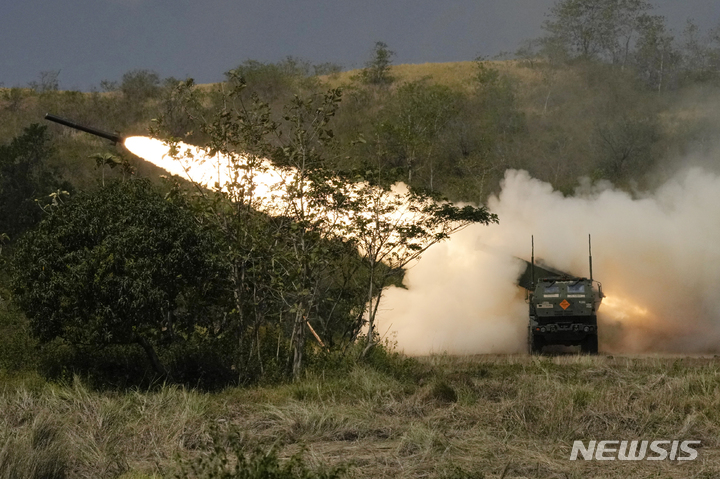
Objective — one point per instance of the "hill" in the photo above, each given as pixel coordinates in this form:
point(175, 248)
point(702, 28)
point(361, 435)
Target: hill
point(452, 126)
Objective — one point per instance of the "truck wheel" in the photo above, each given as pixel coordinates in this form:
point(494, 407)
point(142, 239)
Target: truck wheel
point(590, 344)
point(536, 344)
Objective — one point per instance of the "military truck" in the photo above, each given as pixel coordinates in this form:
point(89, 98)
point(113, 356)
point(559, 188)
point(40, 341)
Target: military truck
point(563, 308)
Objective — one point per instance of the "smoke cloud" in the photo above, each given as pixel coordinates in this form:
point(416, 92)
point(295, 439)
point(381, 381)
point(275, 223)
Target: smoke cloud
point(657, 256)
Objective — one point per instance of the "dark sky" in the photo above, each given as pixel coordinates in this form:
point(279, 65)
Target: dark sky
point(94, 40)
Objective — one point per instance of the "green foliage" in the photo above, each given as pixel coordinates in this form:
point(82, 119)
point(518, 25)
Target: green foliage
point(203, 362)
point(138, 86)
point(175, 97)
point(119, 266)
point(287, 271)
point(625, 33)
point(276, 82)
point(385, 358)
point(296, 270)
point(598, 116)
point(625, 146)
point(377, 69)
point(14, 98)
point(592, 29)
point(18, 347)
point(700, 54)
point(413, 121)
point(25, 177)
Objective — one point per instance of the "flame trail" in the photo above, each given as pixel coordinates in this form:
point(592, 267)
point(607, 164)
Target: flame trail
point(192, 163)
point(270, 183)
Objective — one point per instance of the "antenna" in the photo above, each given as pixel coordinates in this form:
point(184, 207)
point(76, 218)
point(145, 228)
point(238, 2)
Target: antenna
point(590, 255)
point(532, 262)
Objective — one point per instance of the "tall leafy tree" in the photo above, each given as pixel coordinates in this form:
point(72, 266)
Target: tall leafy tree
point(594, 29)
point(392, 226)
point(279, 263)
point(377, 69)
point(656, 58)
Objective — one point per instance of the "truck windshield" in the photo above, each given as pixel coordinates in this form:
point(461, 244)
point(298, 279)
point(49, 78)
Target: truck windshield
point(552, 289)
point(576, 288)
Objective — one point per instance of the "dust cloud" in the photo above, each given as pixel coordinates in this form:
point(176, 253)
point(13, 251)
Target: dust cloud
point(657, 256)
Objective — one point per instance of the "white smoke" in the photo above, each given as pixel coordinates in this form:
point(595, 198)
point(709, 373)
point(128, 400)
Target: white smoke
point(658, 258)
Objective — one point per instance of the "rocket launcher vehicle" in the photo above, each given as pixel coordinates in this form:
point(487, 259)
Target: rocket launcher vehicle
point(562, 307)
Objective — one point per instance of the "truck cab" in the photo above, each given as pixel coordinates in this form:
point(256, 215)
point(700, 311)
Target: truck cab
point(563, 311)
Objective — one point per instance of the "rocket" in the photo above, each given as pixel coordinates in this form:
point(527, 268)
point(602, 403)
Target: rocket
point(114, 137)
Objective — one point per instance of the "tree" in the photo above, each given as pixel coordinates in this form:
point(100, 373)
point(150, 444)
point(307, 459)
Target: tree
point(594, 29)
point(26, 179)
point(293, 249)
point(700, 54)
point(393, 225)
point(275, 81)
point(377, 69)
point(279, 263)
point(625, 146)
point(416, 116)
point(48, 82)
point(138, 86)
point(112, 267)
point(656, 59)
point(482, 134)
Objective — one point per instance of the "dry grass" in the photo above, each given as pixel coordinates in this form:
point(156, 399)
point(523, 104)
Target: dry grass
point(538, 87)
point(513, 416)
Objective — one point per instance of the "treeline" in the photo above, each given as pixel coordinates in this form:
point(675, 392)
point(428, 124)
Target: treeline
point(626, 34)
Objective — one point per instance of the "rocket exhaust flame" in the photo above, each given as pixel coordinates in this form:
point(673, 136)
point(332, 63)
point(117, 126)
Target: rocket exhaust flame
point(193, 164)
point(269, 184)
point(656, 256)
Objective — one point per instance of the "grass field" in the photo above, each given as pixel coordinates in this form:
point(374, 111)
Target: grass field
point(450, 417)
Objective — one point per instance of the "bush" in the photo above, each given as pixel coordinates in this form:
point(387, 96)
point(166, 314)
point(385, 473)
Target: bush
point(204, 364)
point(116, 269)
point(110, 367)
